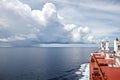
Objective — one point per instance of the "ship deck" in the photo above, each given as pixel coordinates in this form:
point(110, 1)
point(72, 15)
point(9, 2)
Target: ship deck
point(100, 69)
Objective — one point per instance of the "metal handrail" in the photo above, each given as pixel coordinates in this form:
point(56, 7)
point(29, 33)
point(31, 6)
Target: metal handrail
point(102, 75)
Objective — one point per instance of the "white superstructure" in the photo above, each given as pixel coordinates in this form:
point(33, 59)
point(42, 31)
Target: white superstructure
point(107, 46)
point(117, 47)
point(102, 46)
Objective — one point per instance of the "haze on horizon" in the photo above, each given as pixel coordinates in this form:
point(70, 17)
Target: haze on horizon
point(33, 22)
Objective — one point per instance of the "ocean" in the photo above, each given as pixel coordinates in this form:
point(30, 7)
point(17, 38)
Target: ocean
point(45, 63)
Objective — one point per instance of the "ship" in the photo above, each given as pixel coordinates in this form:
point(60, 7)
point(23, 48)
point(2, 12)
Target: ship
point(105, 63)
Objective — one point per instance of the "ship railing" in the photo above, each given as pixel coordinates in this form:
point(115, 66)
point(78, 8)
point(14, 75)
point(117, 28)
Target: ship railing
point(103, 76)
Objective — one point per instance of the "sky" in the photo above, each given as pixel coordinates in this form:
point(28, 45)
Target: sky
point(33, 22)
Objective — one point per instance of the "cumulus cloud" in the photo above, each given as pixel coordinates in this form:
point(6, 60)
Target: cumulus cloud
point(79, 33)
point(91, 39)
point(19, 23)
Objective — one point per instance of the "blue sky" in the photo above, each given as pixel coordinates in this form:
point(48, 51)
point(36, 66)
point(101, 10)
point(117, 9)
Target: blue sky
point(32, 22)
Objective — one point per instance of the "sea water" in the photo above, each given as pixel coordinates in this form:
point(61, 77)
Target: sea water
point(46, 63)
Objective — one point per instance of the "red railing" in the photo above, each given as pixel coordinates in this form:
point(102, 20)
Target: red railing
point(102, 74)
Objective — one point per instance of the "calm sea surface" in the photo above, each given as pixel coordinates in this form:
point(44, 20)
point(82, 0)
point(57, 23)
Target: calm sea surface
point(42, 63)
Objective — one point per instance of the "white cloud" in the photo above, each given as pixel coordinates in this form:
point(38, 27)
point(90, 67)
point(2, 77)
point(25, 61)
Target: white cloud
point(79, 33)
point(47, 13)
point(69, 27)
point(28, 26)
point(91, 39)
